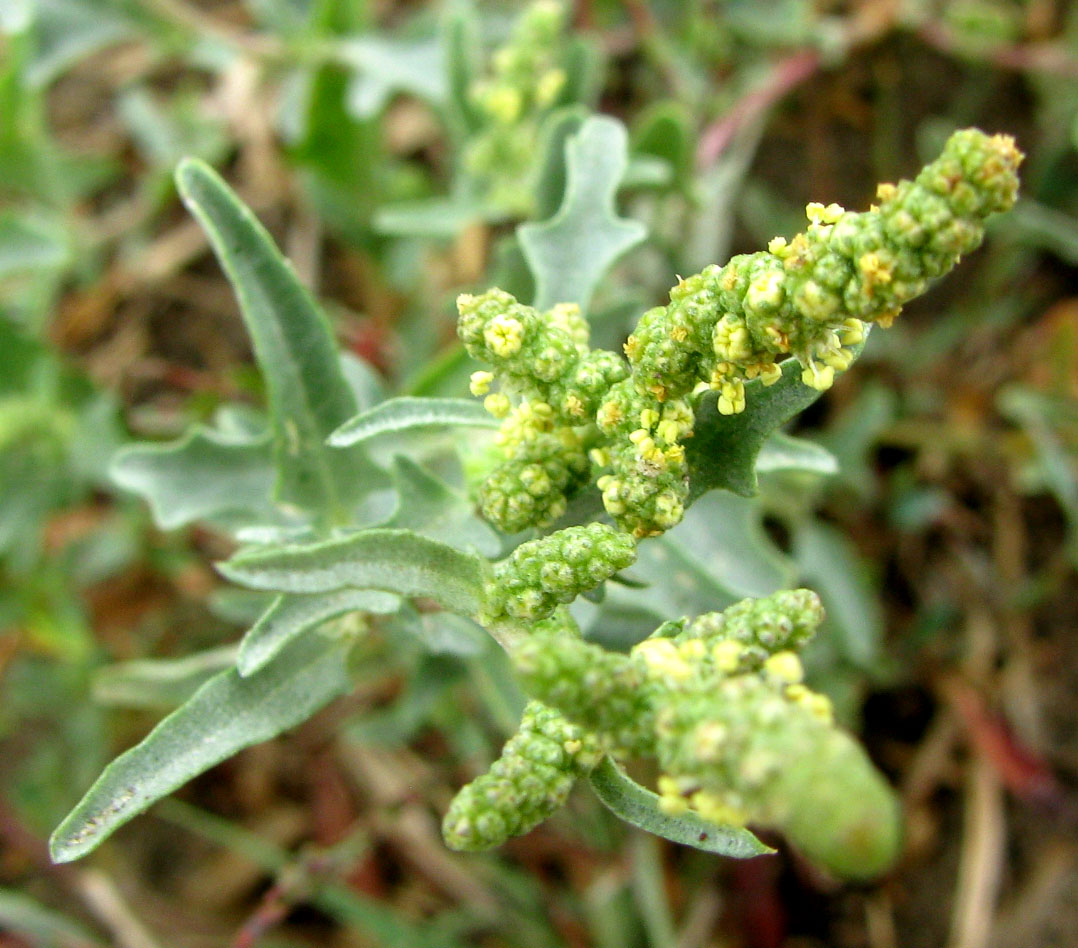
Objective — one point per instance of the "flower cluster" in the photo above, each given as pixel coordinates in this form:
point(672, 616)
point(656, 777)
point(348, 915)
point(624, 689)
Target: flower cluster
point(720, 703)
point(529, 781)
point(541, 574)
point(527, 79)
point(809, 298)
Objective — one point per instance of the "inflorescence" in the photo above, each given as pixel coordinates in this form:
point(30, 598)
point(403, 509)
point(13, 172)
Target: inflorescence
point(718, 701)
point(527, 80)
point(572, 413)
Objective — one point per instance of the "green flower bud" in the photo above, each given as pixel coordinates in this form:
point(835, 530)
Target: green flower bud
point(601, 691)
point(531, 487)
point(758, 627)
point(540, 574)
point(532, 778)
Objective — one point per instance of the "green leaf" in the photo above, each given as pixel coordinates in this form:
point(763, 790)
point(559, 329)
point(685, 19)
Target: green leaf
point(21, 915)
point(159, 682)
point(225, 715)
point(553, 169)
point(401, 414)
point(461, 42)
point(570, 253)
point(308, 394)
point(397, 561)
point(629, 801)
point(291, 614)
point(201, 475)
point(429, 506)
point(385, 66)
point(831, 565)
point(783, 452)
point(31, 243)
point(724, 448)
point(431, 217)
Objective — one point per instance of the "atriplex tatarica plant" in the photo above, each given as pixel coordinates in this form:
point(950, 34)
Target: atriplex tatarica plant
point(594, 457)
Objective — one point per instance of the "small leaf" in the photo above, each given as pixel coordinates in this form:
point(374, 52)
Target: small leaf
point(292, 614)
point(629, 801)
point(225, 715)
point(570, 253)
point(159, 682)
point(397, 561)
point(201, 475)
point(724, 448)
point(782, 452)
point(401, 414)
point(385, 66)
point(308, 395)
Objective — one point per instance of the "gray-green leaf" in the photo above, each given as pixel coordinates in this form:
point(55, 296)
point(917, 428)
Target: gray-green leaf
point(428, 505)
point(570, 253)
point(225, 715)
point(308, 395)
point(783, 452)
point(292, 614)
point(397, 561)
point(159, 682)
point(406, 412)
point(636, 805)
point(201, 475)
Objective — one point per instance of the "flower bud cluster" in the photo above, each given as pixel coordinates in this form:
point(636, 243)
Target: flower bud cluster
point(530, 780)
point(543, 359)
point(526, 80)
point(809, 298)
point(720, 703)
point(540, 574)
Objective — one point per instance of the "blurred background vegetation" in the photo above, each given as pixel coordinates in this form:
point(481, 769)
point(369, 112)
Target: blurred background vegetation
point(945, 546)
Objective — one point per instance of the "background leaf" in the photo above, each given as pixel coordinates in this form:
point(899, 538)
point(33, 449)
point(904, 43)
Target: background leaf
point(198, 476)
point(159, 682)
point(570, 253)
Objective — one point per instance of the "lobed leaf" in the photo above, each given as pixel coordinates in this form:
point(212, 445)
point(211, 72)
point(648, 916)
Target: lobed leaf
point(429, 506)
point(629, 801)
point(407, 412)
point(397, 561)
point(225, 715)
point(570, 253)
point(308, 394)
point(198, 476)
